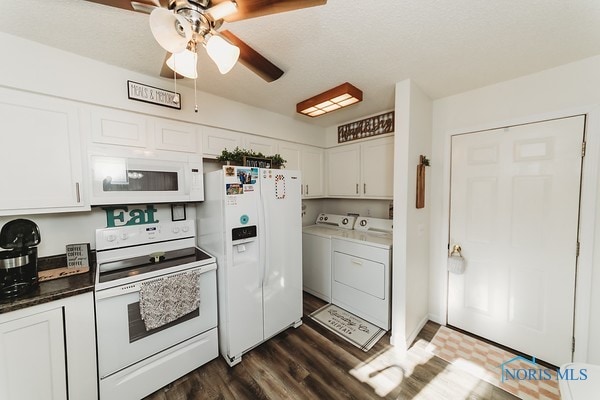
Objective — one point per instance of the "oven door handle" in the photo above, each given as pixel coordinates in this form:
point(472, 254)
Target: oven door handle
point(135, 286)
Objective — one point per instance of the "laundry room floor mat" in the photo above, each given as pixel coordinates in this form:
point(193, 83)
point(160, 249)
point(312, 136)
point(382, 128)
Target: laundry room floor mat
point(515, 374)
point(355, 330)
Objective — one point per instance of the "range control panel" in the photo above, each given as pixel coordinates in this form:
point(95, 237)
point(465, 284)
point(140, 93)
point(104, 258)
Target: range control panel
point(121, 236)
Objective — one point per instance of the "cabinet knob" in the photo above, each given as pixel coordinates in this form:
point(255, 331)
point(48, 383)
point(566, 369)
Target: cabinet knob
point(357, 188)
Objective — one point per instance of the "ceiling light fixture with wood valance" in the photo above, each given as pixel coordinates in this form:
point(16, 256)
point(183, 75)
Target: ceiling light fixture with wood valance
point(339, 97)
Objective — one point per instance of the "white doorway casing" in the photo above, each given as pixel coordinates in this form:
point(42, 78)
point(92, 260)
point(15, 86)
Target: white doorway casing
point(556, 93)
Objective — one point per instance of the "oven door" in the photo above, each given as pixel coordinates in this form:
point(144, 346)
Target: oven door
point(122, 337)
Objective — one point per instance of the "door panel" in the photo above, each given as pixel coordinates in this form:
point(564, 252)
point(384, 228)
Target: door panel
point(514, 211)
point(282, 284)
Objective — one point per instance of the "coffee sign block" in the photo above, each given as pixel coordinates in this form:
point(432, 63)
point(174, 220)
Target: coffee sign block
point(78, 255)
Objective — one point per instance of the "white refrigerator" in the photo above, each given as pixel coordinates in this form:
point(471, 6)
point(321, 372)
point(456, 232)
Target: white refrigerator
point(250, 221)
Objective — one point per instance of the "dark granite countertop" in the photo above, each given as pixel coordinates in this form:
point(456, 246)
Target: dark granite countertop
point(51, 290)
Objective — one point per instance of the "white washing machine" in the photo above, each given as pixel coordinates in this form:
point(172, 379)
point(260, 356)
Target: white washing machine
point(361, 264)
point(316, 252)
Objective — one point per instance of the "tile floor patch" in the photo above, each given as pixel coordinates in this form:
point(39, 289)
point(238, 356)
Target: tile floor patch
point(457, 348)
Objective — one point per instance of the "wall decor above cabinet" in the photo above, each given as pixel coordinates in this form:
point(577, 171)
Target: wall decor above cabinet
point(153, 95)
point(367, 127)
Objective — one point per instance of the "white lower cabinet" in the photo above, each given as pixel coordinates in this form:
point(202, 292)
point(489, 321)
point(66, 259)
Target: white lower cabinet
point(41, 154)
point(48, 351)
point(32, 357)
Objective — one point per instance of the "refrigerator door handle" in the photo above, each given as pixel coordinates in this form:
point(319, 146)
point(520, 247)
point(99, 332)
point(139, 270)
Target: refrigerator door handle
point(262, 241)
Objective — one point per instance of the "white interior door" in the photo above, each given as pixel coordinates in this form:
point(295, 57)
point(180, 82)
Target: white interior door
point(514, 211)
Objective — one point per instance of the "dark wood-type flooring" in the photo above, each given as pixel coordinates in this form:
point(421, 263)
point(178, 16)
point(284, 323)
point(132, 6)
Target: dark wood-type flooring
point(311, 362)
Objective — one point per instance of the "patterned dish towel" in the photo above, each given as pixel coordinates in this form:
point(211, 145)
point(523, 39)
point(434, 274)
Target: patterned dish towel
point(166, 299)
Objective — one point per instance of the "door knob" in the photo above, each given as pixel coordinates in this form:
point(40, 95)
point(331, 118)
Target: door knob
point(456, 262)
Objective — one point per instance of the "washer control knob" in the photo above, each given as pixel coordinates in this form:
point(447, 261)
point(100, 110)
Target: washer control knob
point(175, 229)
point(111, 238)
point(124, 236)
point(326, 218)
point(185, 228)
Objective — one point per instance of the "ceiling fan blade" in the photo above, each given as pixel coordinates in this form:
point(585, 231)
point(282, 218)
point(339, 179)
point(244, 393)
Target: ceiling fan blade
point(253, 60)
point(257, 8)
point(167, 72)
point(142, 5)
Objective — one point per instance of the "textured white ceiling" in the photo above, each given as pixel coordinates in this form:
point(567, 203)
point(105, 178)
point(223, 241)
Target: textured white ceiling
point(446, 47)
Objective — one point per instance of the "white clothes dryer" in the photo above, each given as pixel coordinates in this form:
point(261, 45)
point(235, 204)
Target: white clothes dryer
point(361, 264)
point(316, 252)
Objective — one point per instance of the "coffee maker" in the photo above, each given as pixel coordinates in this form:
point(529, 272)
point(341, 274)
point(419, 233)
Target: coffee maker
point(18, 265)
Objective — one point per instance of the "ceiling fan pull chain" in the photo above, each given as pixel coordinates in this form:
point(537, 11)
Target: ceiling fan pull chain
point(195, 97)
point(175, 82)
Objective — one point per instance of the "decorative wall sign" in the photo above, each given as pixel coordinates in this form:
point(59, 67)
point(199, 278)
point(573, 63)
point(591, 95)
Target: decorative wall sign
point(257, 162)
point(78, 255)
point(150, 94)
point(178, 212)
point(364, 128)
point(137, 216)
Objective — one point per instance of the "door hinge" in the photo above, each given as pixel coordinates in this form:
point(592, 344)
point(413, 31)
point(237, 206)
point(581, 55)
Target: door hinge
point(578, 248)
point(583, 147)
point(573, 345)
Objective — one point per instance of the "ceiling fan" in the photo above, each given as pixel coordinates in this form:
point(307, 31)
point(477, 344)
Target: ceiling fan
point(181, 26)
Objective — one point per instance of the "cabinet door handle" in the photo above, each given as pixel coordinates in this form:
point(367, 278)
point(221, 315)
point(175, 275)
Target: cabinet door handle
point(357, 188)
point(364, 188)
point(355, 261)
point(77, 192)
point(307, 190)
point(302, 189)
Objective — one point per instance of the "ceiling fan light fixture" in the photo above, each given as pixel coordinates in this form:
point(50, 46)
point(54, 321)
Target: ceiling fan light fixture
point(222, 10)
point(184, 63)
point(333, 99)
point(223, 53)
point(171, 31)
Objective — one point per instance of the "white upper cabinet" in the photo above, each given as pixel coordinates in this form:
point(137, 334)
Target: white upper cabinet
point(41, 155)
point(362, 170)
point(313, 167)
point(343, 171)
point(260, 144)
point(292, 154)
point(377, 167)
point(310, 161)
point(176, 136)
point(118, 127)
point(215, 140)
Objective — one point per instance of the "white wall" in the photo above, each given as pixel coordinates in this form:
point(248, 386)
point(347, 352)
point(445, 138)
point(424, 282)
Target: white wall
point(362, 207)
point(43, 69)
point(561, 91)
point(411, 245)
point(58, 230)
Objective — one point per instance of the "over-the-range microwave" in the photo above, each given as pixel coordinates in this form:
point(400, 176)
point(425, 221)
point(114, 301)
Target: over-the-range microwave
point(123, 176)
